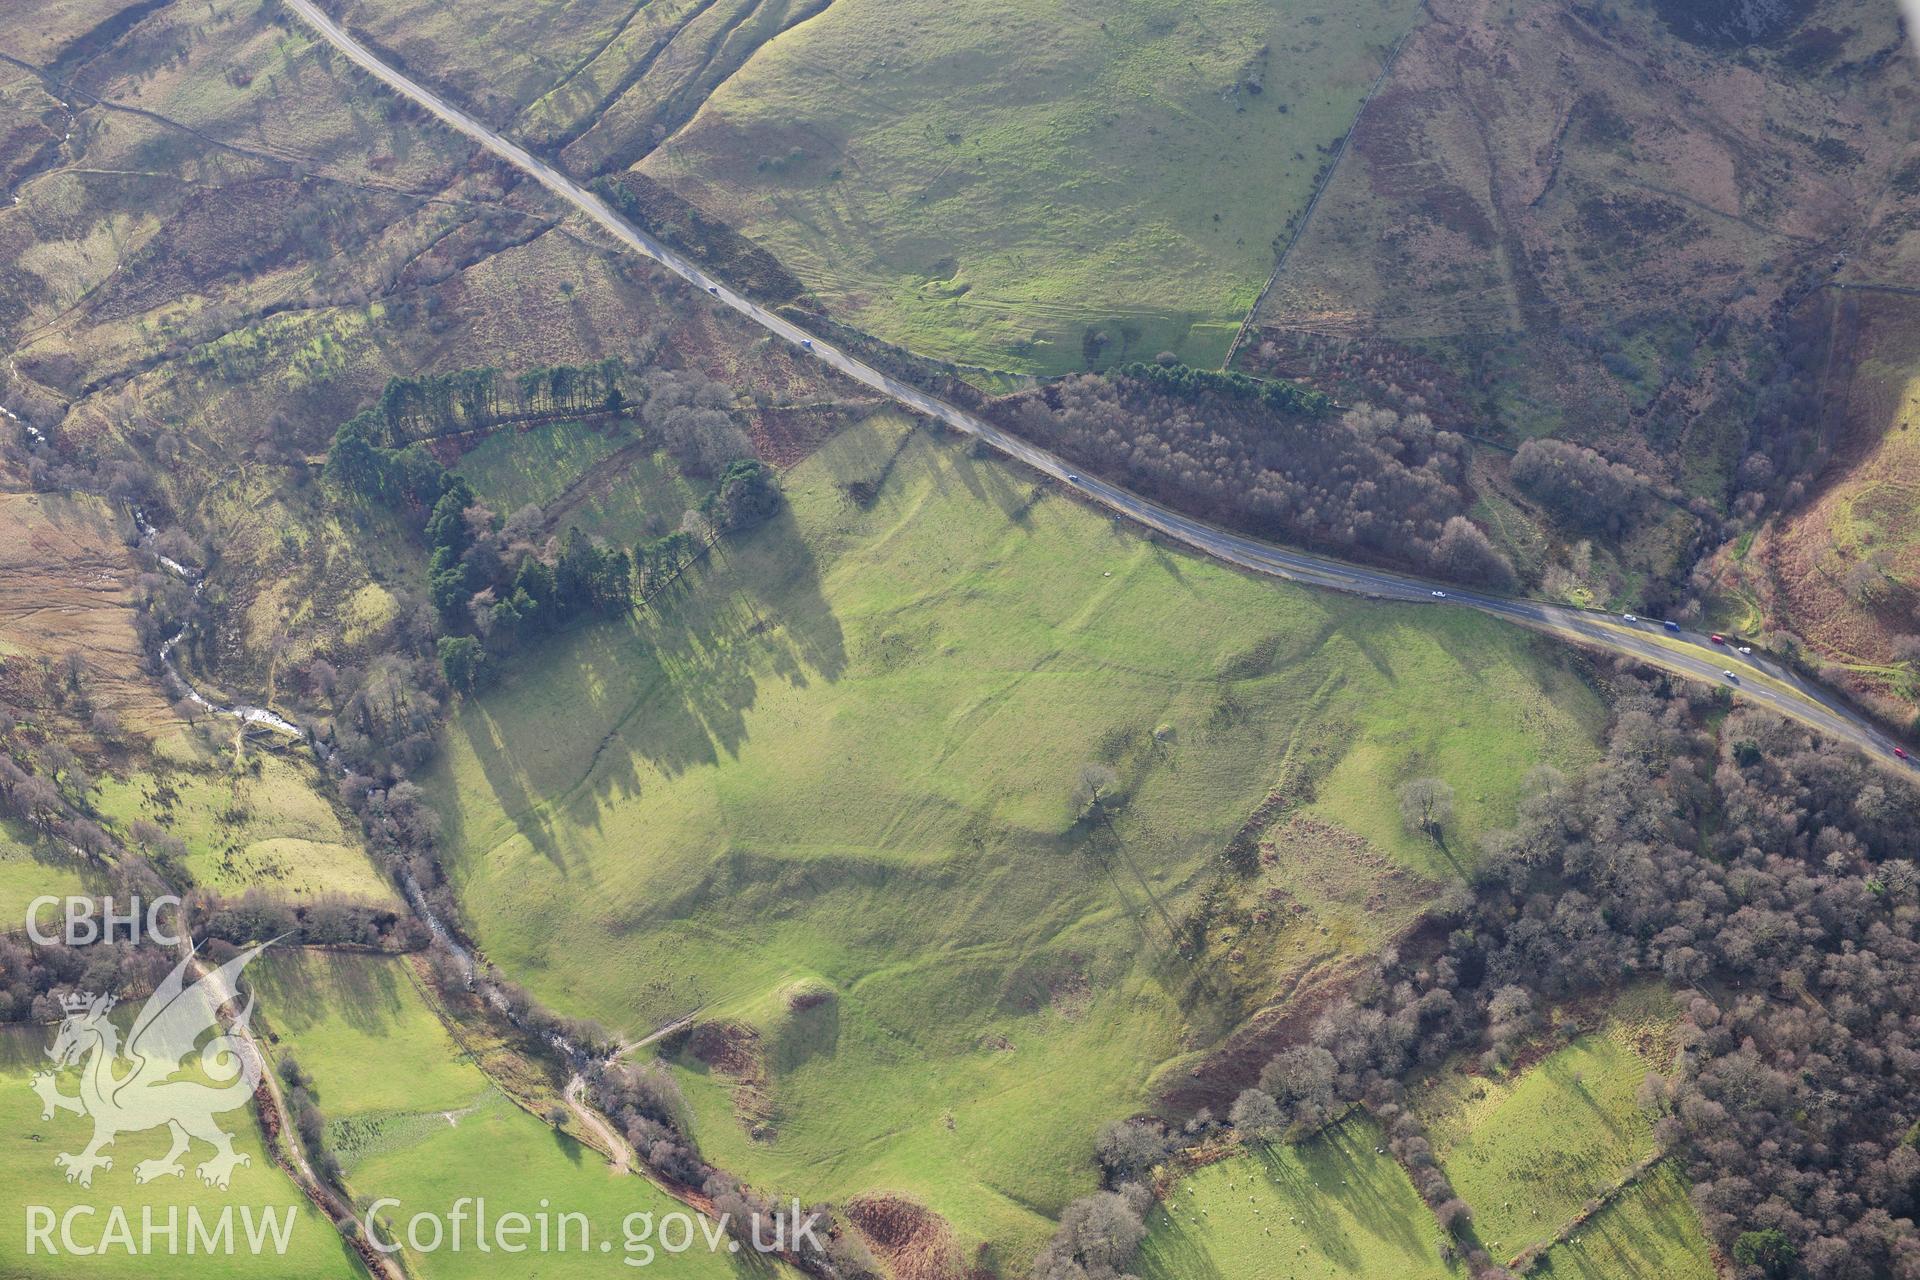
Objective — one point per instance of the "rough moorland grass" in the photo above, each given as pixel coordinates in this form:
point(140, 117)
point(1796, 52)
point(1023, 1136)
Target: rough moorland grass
point(66, 585)
point(265, 826)
point(1326, 1208)
point(32, 866)
point(988, 182)
point(28, 1176)
point(1652, 1230)
point(413, 1118)
point(1813, 571)
point(846, 754)
point(1527, 1152)
point(495, 54)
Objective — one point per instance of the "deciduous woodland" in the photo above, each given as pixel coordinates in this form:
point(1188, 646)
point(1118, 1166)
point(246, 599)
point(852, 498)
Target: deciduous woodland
point(1764, 877)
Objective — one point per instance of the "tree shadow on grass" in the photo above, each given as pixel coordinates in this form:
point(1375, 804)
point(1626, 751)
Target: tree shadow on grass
point(1191, 981)
point(1302, 1183)
point(1385, 1217)
point(1438, 839)
point(302, 988)
point(1363, 632)
point(669, 685)
point(1176, 1251)
point(1670, 1217)
point(1330, 1191)
point(988, 478)
point(1564, 1075)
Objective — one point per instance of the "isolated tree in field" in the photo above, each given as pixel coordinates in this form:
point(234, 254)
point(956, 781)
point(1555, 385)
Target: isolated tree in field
point(1095, 790)
point(1426, 806)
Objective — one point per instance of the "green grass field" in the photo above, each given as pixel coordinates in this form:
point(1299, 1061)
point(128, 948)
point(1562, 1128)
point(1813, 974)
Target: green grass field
point(600, 477)
point(270, 829)
point(1324, 1209)
point(29, 1177)
point(31, 867)
point(413, 1118)
point(497, 1152)
point(1528, 1151)
point(1652, 1232)
point(846, 755)
point(361, 1030)
point(988, 184)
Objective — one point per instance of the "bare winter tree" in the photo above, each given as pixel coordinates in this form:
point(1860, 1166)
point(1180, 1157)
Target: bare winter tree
point(1095, 789)
point(1426, 806)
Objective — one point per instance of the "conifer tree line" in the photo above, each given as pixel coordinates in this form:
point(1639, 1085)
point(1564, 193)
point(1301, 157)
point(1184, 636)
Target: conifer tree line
point(495, 582)
point(469, 399)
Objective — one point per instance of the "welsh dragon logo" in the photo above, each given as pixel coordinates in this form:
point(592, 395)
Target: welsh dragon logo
point(142, 1085)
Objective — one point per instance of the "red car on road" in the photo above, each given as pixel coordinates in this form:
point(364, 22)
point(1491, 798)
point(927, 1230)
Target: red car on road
point(1717, 638)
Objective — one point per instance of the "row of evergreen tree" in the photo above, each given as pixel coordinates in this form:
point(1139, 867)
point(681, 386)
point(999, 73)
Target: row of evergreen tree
point(490, 585)
point(435, 404)
point(1190, 383)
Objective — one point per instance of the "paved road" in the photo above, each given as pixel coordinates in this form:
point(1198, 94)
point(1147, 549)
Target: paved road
point(1684, 653)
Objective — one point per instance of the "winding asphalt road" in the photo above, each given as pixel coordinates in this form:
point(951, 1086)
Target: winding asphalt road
point(1684, 653)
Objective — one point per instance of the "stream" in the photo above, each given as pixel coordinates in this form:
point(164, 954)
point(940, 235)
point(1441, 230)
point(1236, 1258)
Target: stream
point(239, 711)
point(33, 432)
point(261, 716)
